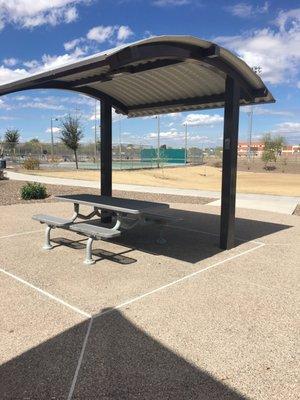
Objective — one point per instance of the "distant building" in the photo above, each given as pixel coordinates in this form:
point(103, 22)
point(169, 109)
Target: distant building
point(291, 150)
point(257, 148)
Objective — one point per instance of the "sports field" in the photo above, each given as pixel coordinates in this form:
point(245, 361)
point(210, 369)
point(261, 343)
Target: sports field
point(196, 177)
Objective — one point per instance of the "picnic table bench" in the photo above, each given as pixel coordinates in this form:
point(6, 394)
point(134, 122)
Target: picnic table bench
point(127, 213)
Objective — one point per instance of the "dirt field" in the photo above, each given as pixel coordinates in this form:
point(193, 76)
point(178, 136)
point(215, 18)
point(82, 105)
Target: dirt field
point(198, 177)
point(283, 165)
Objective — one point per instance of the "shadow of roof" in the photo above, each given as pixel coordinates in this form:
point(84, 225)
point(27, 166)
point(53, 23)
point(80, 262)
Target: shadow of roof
point(121, 361)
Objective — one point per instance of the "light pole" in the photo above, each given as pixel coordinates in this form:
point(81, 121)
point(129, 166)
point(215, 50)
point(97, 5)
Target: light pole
point(95, 131)
point(52, 138)
point(185, 144)
point(120, 142)
point(257, 69)
point(158, 140)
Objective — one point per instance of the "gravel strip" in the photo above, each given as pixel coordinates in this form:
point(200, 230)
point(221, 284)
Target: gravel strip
point(10, 194)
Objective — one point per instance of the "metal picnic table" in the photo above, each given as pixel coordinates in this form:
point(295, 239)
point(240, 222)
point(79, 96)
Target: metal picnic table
point(126, 213)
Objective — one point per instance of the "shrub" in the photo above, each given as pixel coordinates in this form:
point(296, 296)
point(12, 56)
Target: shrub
point(33, 191)
point(31, 163)
point(217, 164)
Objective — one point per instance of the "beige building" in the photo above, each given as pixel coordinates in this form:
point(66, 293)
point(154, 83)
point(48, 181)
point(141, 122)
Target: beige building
point(257, 148)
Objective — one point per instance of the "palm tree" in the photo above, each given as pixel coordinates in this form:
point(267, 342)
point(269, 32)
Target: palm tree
point(71, 134)
point(12, 137)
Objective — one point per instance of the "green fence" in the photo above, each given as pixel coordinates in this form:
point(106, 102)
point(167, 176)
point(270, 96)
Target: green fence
point(167, 156)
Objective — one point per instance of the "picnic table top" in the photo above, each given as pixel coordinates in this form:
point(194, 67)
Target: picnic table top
point(118, 204)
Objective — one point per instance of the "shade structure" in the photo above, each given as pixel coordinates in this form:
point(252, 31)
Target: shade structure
point(159, 75)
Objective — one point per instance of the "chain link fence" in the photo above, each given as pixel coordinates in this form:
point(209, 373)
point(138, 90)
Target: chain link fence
point(125, 156)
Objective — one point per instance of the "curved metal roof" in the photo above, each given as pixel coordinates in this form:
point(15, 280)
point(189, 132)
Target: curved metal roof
point(161, 74)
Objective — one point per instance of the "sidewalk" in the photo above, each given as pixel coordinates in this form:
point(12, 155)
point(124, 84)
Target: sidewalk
point(279, 204)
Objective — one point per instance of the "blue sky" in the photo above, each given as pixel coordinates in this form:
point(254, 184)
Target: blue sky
point(35, 35)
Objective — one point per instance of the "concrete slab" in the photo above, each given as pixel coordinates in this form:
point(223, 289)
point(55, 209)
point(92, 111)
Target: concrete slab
point(209, 338)
point(278, 204)
point(122, 272)
point(40, 343)
point(191, 322)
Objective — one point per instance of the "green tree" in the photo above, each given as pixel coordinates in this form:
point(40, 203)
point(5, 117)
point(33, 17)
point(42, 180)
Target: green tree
point(1, 148)
point(272, 148)
point(268, 156)
point(35, 145)
point(12, 138)
point(71, 134)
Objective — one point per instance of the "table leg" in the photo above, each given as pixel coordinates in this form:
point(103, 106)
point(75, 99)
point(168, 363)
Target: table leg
point(88, 255)
point(47, 245)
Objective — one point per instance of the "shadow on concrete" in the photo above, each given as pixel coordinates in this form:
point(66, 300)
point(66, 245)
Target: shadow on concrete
point(192, 237)
point(121, 361)
point(99, 254)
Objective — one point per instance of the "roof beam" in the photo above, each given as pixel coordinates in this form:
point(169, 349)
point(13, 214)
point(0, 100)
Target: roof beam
point(217, 98)
point(129, 70)
point(150, 51)
point(97, 94)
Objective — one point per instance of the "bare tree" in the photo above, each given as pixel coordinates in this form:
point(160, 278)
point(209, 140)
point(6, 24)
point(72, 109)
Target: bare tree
point(71, 134)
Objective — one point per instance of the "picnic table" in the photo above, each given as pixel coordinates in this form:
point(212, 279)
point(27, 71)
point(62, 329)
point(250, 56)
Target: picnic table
point(126, 214)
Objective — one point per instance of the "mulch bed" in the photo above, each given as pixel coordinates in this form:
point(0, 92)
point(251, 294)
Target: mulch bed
point(10, 194)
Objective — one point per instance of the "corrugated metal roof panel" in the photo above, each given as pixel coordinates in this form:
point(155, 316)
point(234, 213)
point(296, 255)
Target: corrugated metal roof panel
point(155, 75)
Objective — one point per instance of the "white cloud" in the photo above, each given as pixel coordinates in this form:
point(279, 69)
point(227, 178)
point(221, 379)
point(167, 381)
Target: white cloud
point(10, 62)
point(298, 85)
point(71, 15)
point(165, 3)
point(115, 116)
point(172, 115)
point(288, 128)
point(42, 105)
point(245, 10)
point(124, 32)
point(49, 62)
point(202, 119)
point(114, 34)
point(257, 110)
point(4, 105)
point(286, 20)
point(55, 130)
point(72, 44)
point(5, 118)
point(29, 14)
point(101, 33)
point(171, 134)
point(31, 64)
point(276, 51)
point(8, 75)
